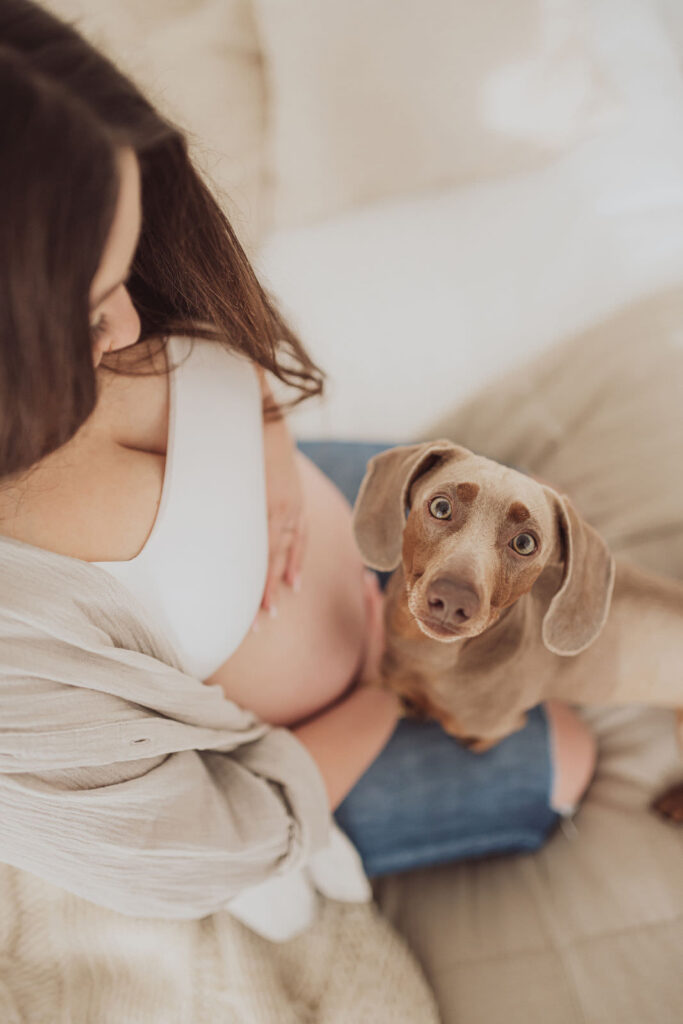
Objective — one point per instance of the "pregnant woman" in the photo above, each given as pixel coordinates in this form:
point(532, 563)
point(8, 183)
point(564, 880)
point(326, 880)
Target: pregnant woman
point(135, 343)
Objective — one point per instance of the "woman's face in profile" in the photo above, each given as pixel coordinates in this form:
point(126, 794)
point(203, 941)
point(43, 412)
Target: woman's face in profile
point(114, 321)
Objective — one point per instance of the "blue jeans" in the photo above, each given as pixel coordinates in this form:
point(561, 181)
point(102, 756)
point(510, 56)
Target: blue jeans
point(426, 799)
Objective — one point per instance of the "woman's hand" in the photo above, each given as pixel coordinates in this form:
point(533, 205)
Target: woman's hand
point(286, 514)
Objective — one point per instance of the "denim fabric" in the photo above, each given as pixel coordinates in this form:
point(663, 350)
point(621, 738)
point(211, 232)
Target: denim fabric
point(426, 799)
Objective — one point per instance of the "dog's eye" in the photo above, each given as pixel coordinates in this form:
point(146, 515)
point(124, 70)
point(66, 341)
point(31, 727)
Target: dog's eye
point(523, 544)
point(440, 508)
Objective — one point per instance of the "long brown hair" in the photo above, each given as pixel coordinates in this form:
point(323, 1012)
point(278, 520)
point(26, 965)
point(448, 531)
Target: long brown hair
point(65, 110)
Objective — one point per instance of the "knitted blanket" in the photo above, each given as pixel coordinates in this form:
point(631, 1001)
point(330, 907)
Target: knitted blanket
point(63, 958)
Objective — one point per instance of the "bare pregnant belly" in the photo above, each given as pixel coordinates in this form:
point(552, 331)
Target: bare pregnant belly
point(302, 660)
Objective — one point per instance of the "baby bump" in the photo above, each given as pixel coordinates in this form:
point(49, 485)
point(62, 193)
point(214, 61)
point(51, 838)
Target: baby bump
point(301, 660)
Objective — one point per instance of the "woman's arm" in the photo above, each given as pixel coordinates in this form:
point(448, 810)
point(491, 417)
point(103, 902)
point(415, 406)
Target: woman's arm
point(176, 835)
point(345, 740)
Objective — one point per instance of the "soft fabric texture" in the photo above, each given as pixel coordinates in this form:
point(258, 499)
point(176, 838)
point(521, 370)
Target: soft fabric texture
point(672, 17)
point(449, 288)
point(200, 63)
point(130, 783)
point(371, 99)
point(588, 930)
point(66, 959)
point(136, 805)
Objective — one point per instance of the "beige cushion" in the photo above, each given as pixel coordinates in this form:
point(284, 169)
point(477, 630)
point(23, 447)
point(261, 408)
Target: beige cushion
point(589, 929)
point(671, 12)
point(372, 99)
point(199, 62)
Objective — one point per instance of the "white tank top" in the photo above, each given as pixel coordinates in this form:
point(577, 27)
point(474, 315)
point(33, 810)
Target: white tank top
point(203, 568)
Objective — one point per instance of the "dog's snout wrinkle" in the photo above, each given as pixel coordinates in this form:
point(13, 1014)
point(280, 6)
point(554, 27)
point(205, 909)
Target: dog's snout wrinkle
point(452, 602)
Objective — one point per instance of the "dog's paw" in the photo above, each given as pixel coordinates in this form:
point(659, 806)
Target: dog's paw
point(411, 709)
point(670, 804)
point(478, 745)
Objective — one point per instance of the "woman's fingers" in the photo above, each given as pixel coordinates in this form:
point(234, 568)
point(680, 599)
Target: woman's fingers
point(285, 563)
point(295, 556)
point(275, 572)
point(269, 588)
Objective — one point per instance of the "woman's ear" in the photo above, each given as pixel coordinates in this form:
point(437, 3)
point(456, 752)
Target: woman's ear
point(578, 611)
point(379, 511)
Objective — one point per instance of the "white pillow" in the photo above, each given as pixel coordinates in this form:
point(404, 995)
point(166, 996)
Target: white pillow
point(200, 64)
point(671, 12)
point(378, 98)
point(411, 305)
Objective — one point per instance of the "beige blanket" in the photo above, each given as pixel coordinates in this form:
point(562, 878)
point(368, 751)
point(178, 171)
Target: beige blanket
point(589, 930)
point(136, 804)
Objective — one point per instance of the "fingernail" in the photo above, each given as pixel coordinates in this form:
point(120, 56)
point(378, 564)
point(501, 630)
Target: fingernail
point(273, 611)
point(296, 584)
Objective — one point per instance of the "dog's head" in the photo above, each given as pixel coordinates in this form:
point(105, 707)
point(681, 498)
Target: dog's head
point(474, 536)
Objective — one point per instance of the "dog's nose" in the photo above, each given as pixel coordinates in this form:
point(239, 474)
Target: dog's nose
point(451, 601)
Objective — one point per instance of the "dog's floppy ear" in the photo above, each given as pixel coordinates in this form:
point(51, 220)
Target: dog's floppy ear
point(379, 509)
point(578, 611)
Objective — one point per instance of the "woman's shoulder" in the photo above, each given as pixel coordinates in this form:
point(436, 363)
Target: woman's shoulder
point(132, 407)
point(95, 498)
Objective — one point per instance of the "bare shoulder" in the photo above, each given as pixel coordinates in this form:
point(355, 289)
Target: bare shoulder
point(132, 407)
point(96, 497)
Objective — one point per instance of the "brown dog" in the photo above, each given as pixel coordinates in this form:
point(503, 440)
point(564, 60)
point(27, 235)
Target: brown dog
point(503, 597)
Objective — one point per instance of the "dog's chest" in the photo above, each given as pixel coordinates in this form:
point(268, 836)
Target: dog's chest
point(478, 680)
